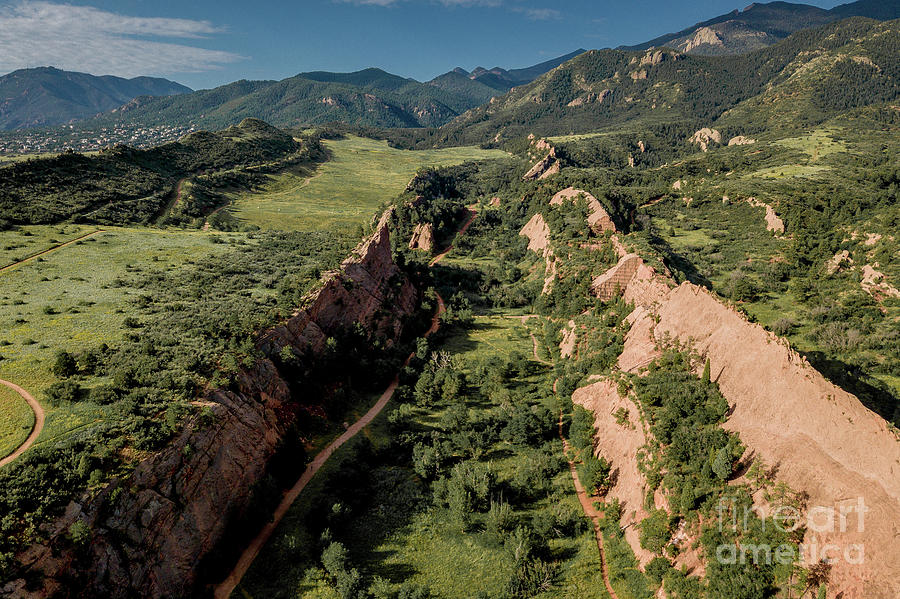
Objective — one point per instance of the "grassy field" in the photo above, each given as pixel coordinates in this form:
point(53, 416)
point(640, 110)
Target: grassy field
point(345, 191)
point(16, 421)
point(818, 144)
point(75, 298)
point(30, 240)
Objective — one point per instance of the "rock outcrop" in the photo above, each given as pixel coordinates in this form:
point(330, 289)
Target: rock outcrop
point(613, 282)
point(598, 218)
point(838, 261)
point(422, 238)
point(704, 36)
point(706, 137)
point(740, 140)
point(151, 529)
point(538, 234)
point(773, 222)
point(546, 167)
point(619, 444)
point(874, 283)
point(821, 439)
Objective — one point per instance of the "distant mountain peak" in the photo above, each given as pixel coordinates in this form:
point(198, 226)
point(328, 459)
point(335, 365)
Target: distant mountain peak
point(47, 96)
point(762, 24)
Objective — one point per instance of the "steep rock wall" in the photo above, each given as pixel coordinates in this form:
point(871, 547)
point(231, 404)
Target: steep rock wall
point(150, 530)
point(820, 439)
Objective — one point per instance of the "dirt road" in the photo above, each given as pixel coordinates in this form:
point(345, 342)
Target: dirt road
point(38, 422)
point(462, 230)
point(51, 249)
point(226, 588)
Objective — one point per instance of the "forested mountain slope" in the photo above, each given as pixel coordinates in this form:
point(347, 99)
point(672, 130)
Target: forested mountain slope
point(761, 25)
point(605, 88)
point(47, 96)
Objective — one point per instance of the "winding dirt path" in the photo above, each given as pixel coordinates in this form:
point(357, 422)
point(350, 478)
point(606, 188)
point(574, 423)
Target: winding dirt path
point(462, 230)
point(226, 587)
point(51, 249)
point(38, 422)
point(589, 510)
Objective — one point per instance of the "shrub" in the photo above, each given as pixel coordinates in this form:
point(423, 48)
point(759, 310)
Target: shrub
point(64, 392)
point(655, 532)
point(64, 365)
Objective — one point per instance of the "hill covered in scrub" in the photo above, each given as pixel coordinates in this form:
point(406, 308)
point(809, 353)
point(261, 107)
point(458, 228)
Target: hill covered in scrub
point(124, 185)
point(659, 329)
point(369, 98)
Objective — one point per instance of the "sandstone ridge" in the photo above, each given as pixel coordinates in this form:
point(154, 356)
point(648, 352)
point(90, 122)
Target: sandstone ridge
point(151, 529)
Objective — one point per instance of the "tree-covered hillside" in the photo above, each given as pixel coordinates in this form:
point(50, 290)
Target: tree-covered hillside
point(46, 96)
point(124, 185)
point(806, 74)
point(761, 25)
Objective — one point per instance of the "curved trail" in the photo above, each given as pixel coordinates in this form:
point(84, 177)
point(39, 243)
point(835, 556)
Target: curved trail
point(51, 249)
point(38, 422)
point(462, 230)
point(589, 510)
point(226, 587)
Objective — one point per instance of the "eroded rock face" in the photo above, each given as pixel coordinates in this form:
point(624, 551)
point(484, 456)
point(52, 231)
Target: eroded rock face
point(702, 37)
point(613, 282)
point(543, 168)
point(598, 218)
point(706, 137)
point(150, 530)
point(422, 238)
point(822, 440)
point(740, 140)
point(548, 166)
point(538, 234)
point(773, 222)
point(619, 443)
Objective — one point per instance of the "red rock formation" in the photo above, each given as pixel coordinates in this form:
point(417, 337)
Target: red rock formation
point(538, 234)
point(150, 530)
point(544, 168)
point(822, 440)
point(598, 218)
point(619, 443)
point(613, 282)
point(422, 238)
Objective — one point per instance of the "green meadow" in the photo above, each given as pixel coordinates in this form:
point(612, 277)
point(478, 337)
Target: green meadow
point(16, 421)
point(345, 191)
point(73, 298)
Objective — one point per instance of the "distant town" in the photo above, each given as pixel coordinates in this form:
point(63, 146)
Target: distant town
point(71, 137)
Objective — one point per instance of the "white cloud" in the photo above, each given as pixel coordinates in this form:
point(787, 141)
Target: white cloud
point(83, 38)
point(444, 2)
point(540, 14)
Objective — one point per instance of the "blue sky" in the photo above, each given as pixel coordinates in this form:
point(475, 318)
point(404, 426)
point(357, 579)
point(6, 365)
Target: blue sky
point(204, 43)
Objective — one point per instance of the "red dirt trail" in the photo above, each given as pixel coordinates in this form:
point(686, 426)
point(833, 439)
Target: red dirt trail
point(226, 588)
point(38, 422)
point(589, 511)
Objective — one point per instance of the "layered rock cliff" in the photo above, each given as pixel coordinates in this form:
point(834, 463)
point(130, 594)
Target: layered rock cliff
point(150, 530)
point(820, 439)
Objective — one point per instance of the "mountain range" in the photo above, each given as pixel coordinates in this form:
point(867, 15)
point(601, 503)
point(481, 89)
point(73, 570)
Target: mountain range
point(761, 25)
point(47, 96)
point(370, 97)
point(798, 82)
point(375, 98)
